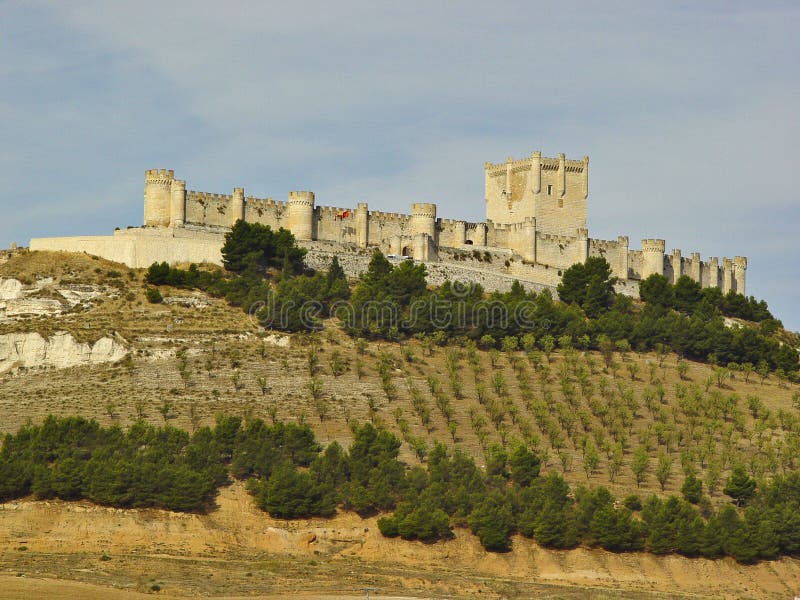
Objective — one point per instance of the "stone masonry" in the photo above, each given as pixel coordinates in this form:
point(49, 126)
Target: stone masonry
point(535, 228)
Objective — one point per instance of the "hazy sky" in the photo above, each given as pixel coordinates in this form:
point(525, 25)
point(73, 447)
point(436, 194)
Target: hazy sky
point(689, 115)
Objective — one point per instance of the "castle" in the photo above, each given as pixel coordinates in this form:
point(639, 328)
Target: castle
point(535, 225)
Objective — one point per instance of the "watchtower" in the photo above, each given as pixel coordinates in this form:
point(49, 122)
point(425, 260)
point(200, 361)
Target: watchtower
point(423, 219)
point(739, 272)
point(362, 225)
point(652, 257)
point(158, 197)
point(300, 214)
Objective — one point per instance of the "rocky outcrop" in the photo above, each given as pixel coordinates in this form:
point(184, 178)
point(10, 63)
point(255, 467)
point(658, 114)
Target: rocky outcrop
point(42, 298)
point(193, 301)
point(10, 289)
point(31, 350)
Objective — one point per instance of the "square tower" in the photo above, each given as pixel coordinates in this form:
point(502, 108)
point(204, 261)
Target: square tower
point(553, 191)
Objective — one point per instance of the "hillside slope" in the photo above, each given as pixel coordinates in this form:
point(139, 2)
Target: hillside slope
point(195, 357)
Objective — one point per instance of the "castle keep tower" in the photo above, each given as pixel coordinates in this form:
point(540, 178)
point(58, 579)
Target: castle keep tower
point(300, 214)
point(423, 219)
point(652, 257)
point(158, 197)
point(551, 190)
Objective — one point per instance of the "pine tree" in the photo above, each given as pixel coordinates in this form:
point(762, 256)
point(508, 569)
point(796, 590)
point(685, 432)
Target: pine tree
point(692, 489)
point(492, 521)
point(739, 486)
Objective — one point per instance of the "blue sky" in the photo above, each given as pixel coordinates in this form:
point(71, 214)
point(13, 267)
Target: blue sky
point(689, 114)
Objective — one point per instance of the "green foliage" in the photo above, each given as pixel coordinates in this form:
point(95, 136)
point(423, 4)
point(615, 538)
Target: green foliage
point(739, 485)
point(253, 247)
point(588, 285)
point(424, 521)
point(193, 277)
point(291, 494)
point(291, 477)
point(492, 521)
point(692, 489)
point(687, 296)
point(72, 458)
point(375, 472)
point(657, 290)
point(382, 297)
point(524, 465)
point(153, 295)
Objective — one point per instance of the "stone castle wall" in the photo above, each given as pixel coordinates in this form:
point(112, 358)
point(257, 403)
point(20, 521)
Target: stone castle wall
point(535, 220)
point(140, 247)
point(208, 209)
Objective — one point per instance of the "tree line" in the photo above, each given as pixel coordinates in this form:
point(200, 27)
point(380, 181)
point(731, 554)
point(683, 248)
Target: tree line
point(290, 475)
point(393, 301)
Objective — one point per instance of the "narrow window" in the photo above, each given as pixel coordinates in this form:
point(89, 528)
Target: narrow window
point(549, 189)
point(560, 203)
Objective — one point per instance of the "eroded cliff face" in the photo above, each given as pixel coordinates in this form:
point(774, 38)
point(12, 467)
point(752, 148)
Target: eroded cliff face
point(31, 350)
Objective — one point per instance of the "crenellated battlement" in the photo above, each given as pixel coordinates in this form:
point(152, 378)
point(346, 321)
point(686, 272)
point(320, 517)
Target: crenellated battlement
point(653, 245)
point(540, 202)
point(335, 212)
point(264, 203)
point(387, 216)
point(547, 163)
point(553, 238)
point(208, 197)
point(152, 174)
point(607, 245)
point(535, 209)
point(301, 197)
point(423, 209)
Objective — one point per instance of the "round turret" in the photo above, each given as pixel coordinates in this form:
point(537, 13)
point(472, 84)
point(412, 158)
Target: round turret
point(177, 214)
point(423, 219)
point(362, 225)
point(300, 214)
point(739, 271)
point(157, 197)
point(652, 257)
point(237, 206)
point(459, 233)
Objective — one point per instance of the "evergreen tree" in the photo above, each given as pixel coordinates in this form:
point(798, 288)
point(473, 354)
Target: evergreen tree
point(656, 290)
point(524, 464)
point(692, 489)
point(739, 486)
point(555, 526)
point(687, 293)
point(291, 494)
point(588, 285)
point(615, 529)
point(492, 521)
